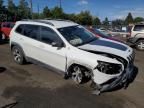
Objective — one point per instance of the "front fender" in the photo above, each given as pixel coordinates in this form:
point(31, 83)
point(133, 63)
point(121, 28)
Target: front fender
point(86, 59)
point(72, 62)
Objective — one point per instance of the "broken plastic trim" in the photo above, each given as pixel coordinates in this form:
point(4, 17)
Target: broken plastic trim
point(122, 81)
point(109, 68)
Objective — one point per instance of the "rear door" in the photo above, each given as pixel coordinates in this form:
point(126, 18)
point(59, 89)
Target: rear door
point(29, 40)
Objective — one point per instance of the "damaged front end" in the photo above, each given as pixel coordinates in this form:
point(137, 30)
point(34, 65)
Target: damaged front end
point(121, 81)
point(110, 76)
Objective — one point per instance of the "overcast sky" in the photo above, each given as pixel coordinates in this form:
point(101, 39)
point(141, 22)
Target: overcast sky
point(112, 9)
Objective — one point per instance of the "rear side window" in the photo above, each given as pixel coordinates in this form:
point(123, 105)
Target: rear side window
point(48, 35)
point(31, 31)
point(139, 28)
point(19, 29)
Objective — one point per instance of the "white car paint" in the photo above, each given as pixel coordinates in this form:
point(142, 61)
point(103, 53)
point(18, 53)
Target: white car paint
point(62, 58)
point(123, 54)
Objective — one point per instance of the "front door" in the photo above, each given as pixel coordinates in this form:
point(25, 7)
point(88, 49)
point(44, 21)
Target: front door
point(48, 54)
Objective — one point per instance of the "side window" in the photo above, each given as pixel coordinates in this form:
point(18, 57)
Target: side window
point(48, 35)
point(19, 29)
point(139, 28)
point(31, 31)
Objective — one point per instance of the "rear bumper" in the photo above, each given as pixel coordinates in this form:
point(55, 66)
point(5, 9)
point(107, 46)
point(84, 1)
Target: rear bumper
point(119, 82)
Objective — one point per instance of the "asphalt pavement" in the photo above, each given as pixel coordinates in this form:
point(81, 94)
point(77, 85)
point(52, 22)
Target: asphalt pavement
point(33, 86)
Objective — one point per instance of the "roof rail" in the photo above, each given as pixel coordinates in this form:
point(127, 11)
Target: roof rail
point(58, 19)
point(45, 22)
point(39, 20)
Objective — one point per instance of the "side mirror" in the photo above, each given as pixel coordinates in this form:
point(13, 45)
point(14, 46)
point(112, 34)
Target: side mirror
point(56, 44)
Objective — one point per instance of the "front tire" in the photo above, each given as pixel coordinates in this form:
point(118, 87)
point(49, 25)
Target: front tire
point(77, 74)
point(18, 55)
point(140, 45)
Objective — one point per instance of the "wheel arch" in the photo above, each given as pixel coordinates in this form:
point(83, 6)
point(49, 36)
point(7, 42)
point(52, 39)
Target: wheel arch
point(140, 39)
point(71, 65)
point(13, 44)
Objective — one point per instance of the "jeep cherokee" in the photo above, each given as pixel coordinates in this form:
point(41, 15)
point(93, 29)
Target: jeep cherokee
point(69, 48)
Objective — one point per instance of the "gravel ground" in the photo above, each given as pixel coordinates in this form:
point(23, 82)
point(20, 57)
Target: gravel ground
point(33, 86)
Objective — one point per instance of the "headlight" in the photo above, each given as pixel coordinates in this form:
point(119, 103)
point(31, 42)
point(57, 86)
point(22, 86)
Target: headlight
point(109, 68)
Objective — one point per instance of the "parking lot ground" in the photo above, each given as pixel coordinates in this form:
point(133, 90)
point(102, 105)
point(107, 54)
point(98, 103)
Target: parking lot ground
point(33, 86)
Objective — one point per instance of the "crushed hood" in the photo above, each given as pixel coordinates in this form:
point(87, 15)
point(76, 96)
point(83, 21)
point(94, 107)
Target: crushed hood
point(108, 46)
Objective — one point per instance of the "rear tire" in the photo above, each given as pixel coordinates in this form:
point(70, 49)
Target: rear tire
point(18, 55)
point(140, 45)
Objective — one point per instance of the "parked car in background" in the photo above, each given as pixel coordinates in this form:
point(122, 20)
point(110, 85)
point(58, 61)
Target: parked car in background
point(6, 29)
point(103, 34)
point(137, 36)
point(69, 48)
point(101, 29)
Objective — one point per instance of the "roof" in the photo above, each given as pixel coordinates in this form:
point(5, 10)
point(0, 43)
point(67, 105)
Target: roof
point(56, 23)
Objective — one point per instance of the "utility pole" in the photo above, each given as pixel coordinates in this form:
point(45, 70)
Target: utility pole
point(38, 9)
point(31, 8)
point(60, 4)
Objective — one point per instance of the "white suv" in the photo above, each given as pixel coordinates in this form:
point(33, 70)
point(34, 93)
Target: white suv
point(70, 49)
point(137, 36)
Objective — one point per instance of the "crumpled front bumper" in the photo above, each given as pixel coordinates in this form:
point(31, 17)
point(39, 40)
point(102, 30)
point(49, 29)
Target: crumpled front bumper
point(121, 81)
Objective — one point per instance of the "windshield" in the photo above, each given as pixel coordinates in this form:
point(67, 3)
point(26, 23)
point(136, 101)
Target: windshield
point(77, 35)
